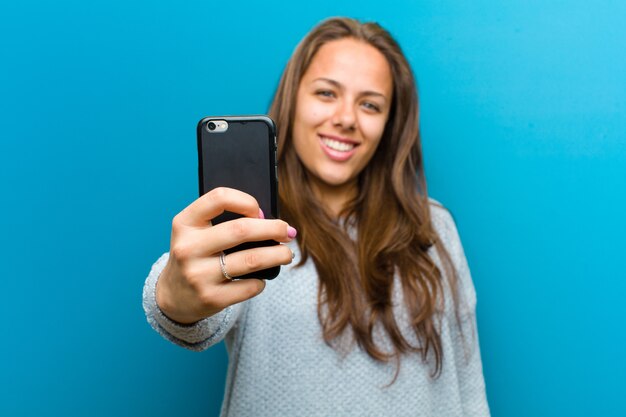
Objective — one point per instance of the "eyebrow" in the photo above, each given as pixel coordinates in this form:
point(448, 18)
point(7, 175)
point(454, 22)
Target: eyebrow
point(337, 84)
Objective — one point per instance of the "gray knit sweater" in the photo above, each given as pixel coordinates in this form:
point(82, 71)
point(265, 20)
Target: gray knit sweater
point(280, 366)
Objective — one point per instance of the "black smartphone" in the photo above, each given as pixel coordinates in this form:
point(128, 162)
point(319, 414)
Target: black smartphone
point(240, 152)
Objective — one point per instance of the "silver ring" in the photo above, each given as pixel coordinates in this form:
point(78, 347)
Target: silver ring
point(223, 267)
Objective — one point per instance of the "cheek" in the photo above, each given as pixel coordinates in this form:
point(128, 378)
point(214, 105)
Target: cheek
point(305, 120)
point(373, 129)
point(313, 112)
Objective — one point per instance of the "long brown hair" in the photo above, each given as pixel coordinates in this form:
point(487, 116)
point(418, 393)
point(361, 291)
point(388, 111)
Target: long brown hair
point(390, 214)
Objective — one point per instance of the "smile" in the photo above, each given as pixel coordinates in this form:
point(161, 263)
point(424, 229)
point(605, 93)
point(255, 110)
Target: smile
point(337, 149)
point(337, 146)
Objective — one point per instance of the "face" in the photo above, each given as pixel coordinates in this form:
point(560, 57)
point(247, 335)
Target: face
point(342, 106)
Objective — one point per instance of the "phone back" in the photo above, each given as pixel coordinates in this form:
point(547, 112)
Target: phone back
point(240, 152)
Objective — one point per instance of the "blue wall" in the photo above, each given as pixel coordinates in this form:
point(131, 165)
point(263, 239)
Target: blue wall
point(524, 122)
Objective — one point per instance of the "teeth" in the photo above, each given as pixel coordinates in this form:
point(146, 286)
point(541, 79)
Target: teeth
point(338, 146)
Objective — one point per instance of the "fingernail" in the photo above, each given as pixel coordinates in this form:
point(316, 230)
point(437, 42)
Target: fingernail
point(261, 215)
point(291, 232)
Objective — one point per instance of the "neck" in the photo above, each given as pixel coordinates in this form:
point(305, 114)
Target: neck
point(334, 198)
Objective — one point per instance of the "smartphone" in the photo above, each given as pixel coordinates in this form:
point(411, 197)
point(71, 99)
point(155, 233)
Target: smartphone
point(240, 152)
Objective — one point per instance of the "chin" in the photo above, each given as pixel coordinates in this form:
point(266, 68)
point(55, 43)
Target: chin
point(334, 181)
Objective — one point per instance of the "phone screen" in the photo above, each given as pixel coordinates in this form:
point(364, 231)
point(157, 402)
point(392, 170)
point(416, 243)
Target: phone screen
point(242, 157)
point(240, 153)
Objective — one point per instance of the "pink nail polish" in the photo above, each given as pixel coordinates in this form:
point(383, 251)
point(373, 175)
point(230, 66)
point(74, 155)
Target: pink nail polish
point(291, 232)
point(261, 215)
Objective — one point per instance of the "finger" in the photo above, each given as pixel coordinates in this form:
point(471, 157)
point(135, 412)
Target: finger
point(215, 202)
point(230, 234)
point(233, 292)
point(252, 260)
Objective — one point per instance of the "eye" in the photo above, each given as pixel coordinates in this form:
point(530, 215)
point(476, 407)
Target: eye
point(368, 105)
point(325, 93)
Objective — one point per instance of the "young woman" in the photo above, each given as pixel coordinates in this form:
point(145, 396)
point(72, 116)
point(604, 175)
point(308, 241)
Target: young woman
point(375, 313)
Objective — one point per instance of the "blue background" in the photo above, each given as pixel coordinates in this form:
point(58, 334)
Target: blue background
point(524, 130)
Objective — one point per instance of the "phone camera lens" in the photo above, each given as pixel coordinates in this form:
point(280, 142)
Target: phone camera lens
point(211, 126)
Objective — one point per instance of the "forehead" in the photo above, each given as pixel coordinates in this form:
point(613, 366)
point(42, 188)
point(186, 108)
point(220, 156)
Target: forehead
point(352, 63)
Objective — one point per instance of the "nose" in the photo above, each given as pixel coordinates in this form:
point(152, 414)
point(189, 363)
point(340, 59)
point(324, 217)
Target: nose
point(344, 116)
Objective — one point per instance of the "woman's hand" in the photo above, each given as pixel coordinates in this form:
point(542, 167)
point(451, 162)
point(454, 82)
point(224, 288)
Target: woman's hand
point(192, 286)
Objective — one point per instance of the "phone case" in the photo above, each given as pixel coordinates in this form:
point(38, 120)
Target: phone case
point(241, 157)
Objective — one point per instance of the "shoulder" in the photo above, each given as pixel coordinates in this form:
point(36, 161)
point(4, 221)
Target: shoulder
point(442, 220)
point(446, 228)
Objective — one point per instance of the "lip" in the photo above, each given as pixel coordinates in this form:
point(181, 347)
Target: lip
point(337, 155)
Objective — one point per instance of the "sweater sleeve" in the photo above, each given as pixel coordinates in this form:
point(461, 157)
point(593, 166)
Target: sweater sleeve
point(197, 336)
point(465, 346)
